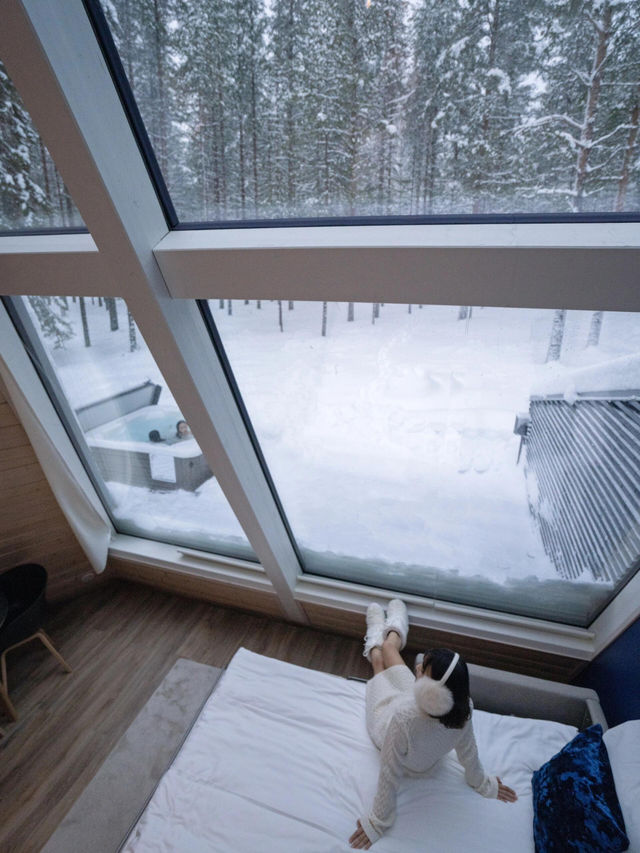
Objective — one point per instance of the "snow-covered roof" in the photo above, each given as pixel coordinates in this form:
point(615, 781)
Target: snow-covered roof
point(619, 375)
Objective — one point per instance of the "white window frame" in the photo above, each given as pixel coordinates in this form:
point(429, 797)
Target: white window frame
point(51, 53)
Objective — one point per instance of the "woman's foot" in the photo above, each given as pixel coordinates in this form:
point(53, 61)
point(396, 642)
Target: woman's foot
point(397, 620)
point(375, 627)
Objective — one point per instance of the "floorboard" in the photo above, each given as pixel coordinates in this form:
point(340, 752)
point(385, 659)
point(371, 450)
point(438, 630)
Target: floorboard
point(120, 640)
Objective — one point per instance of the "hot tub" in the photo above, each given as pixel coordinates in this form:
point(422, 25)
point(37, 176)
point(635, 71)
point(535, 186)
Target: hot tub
point(123, 451)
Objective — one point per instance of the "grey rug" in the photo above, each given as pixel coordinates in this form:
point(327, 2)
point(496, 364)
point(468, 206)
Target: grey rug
point(103, 815)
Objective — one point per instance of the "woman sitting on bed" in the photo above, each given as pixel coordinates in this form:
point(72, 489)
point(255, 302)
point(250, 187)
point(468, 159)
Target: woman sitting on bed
point(415, 720)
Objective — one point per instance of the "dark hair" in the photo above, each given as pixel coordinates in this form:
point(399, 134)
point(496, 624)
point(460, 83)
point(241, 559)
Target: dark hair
point(458, 684)
point(154, 435)
point(178, 428)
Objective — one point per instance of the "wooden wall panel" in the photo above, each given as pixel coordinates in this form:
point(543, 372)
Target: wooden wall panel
point(33, 528)
point(204, 589)
point(483, 652)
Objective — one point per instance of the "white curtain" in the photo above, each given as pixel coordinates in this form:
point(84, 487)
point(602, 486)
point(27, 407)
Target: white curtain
point(84, 512)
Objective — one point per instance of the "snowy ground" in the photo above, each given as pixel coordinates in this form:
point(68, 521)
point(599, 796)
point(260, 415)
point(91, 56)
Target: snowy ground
point(391, 444)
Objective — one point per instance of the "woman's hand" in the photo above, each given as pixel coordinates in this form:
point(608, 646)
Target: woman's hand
point(359, 839)
point(507, 795)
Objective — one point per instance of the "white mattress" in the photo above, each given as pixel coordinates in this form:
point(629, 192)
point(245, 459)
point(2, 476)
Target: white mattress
point(280, 760)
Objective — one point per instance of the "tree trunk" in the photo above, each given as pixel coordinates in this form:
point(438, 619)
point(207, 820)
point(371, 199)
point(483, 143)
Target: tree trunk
point(557, 333)
point(229, 307)
point(595, 328)
point(160, 144)
point(280, 315)
point(220, 303)
point(45, 174)
point(133, 340)
point(324, 319)
point(85, 325)
point(110, 304)
point(628, 153)
point(254, 136)
point(350, 312)
point(603, 31)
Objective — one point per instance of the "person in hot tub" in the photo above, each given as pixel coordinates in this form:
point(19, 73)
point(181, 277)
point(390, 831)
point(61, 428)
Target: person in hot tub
point(415, 720)
point(182, 430)
point(155, 436)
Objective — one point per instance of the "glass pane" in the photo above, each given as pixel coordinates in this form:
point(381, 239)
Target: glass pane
point(260, 110)
point(487, 456)
point(146, 463)
point(32, 193)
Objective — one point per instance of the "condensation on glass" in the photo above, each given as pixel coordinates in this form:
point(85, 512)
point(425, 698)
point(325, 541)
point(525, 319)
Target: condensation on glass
point(145, 461)
point(32, 193)
point(485, 456)
point(260, 110)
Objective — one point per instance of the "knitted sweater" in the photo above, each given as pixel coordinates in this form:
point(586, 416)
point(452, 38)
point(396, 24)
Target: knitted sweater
point(411, 743)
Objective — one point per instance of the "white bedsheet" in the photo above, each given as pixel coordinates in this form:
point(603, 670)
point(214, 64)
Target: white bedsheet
point(280, 760)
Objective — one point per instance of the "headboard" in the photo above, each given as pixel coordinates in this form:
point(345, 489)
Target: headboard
point(524, 696)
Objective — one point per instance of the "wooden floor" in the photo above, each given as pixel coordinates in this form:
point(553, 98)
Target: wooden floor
point(120, 640)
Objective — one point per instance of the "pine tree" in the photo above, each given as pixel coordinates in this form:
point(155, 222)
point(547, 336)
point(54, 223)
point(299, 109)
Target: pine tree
point(385, 56)
point(23, 202)
point(50, 311)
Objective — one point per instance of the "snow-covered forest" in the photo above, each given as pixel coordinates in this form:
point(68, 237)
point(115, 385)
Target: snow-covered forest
point(388, 431)
point(279, 108)
point(285, 108)
point(32, 193)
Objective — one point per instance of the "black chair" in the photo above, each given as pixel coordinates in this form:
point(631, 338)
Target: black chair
point(23, 589)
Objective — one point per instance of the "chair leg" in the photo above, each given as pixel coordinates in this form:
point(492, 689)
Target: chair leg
point(4, 688)
point(47, 642)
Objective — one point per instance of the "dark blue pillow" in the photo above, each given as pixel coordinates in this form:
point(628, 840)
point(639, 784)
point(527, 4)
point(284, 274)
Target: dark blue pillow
point(575, 805)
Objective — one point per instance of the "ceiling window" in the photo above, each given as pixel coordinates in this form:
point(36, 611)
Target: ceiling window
point(463, 454)
point(289, 109)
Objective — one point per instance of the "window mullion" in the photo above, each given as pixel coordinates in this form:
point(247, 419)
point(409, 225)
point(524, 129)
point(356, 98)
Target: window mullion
point(492, 265)
point(55, 62)
point(49, 265)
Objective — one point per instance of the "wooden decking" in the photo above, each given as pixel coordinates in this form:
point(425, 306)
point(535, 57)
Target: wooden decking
point(121, 639)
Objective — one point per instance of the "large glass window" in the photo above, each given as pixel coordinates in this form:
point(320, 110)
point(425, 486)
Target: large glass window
point(144, 459)
point(259, 110)
point(32, 193)
point(488, 456)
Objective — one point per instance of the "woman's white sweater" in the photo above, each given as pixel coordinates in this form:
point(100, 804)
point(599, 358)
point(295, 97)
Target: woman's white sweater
point(411, 743)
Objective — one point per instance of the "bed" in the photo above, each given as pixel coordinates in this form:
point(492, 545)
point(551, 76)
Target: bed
point(280, 759)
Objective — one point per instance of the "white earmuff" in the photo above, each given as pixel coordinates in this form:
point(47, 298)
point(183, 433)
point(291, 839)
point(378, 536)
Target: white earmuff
point(434, 697)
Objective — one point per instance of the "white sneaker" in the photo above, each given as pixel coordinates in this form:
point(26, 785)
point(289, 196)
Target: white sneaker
point(397, 620)
point(375, 628)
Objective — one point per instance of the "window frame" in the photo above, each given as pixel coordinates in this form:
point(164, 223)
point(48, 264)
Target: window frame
point(55, 61)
